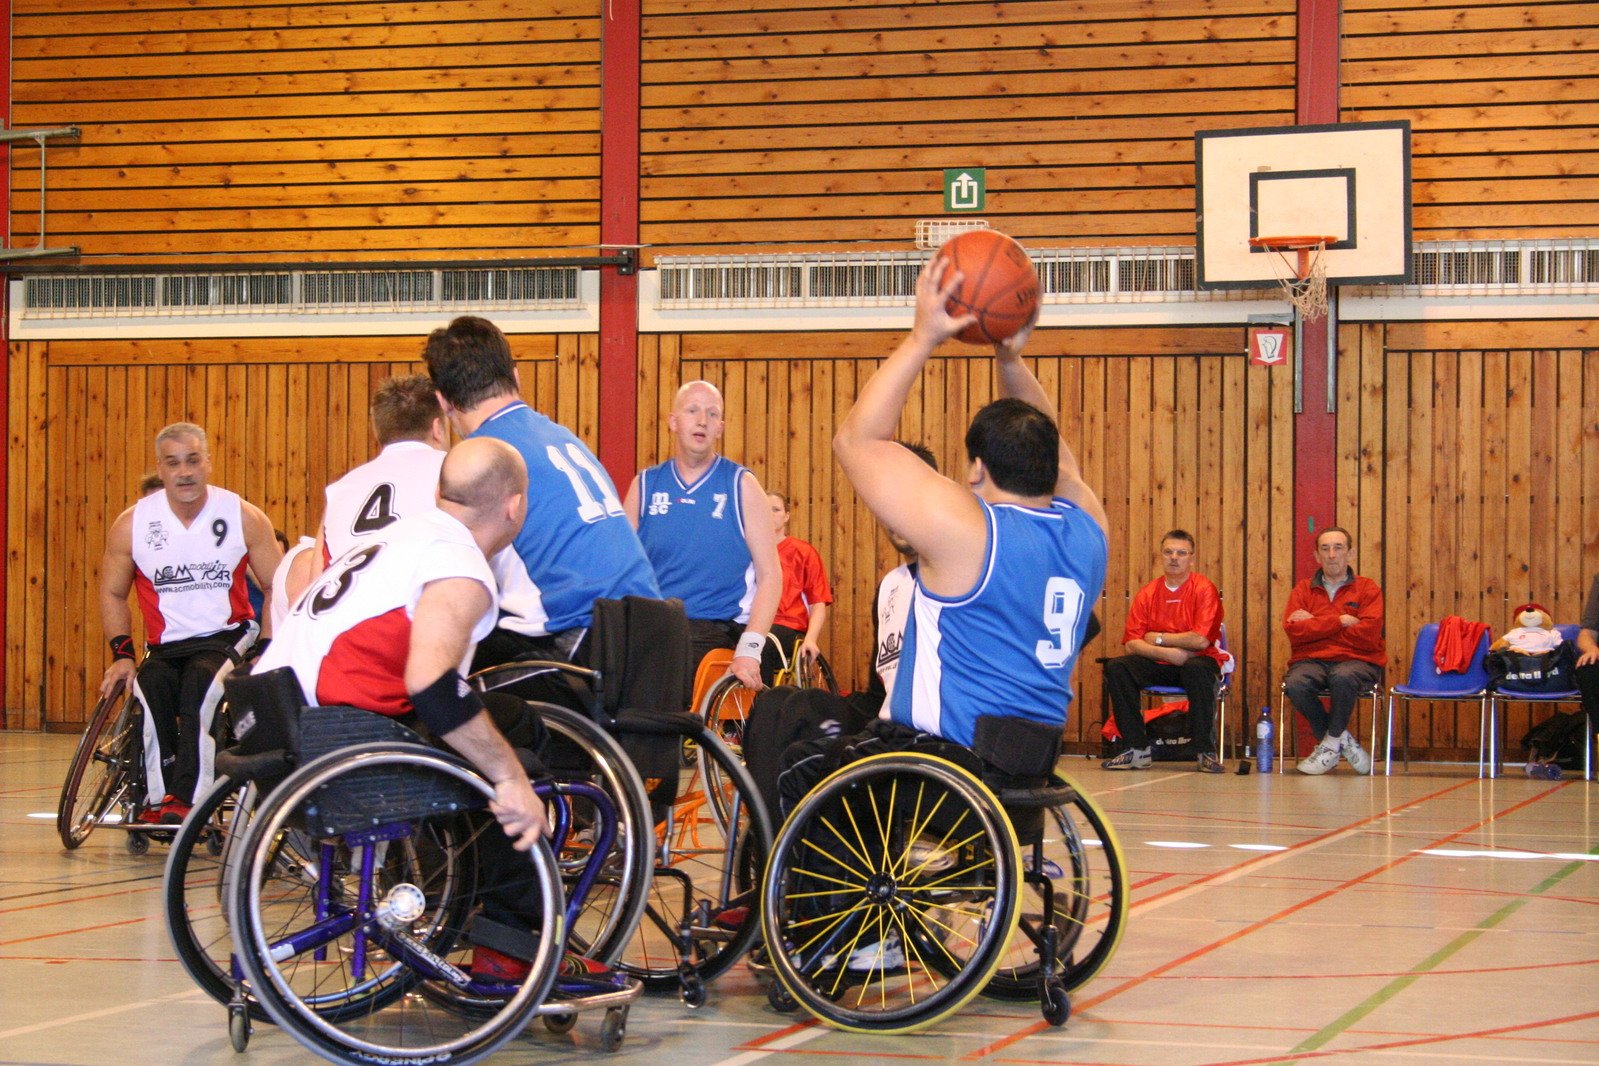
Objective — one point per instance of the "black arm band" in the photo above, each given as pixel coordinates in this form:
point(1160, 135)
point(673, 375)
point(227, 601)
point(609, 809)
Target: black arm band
point(447, 704)
point(122, 647)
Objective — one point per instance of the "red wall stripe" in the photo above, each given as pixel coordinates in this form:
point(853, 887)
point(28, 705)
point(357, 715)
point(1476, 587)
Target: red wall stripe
point(619, 225)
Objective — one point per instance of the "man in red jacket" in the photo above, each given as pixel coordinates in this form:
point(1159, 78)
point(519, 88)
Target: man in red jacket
point(1334, 625)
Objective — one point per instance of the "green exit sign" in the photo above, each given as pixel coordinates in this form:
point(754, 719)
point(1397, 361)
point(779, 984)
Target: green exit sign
point(965, 189)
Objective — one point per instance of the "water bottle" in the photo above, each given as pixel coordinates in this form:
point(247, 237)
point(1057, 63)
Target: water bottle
point(1263, 752)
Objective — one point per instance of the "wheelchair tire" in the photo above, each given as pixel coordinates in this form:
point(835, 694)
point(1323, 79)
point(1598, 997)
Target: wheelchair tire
point(1083, 858)
point(104, 767)
point(892, 894)
point(706, 878)
point(193, 889)
point(309, 901)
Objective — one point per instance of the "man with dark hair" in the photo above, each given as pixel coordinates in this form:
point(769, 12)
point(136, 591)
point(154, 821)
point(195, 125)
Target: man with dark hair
point(186, 549)
point(1171, 638)
point(1009, 563)
point(1335, 646)
point(576, 545)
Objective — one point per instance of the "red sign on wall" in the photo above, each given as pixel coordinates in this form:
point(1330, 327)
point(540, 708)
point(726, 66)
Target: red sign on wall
point(1270, 345)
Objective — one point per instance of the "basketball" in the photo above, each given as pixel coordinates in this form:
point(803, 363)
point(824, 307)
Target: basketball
point(999, 284)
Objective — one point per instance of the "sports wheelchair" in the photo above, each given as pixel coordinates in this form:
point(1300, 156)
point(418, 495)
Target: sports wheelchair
point(708, 829)
point(897, 884)
point(105, 782)
point(339, 900)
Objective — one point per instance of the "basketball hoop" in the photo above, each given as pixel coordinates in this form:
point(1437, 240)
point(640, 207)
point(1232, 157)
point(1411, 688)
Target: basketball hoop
point(1304, 276)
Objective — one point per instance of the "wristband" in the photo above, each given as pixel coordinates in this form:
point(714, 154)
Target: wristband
point(122, 647)
point(447, 704)
point(749, 646)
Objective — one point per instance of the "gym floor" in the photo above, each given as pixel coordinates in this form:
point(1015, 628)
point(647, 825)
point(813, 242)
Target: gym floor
point(1428, 917)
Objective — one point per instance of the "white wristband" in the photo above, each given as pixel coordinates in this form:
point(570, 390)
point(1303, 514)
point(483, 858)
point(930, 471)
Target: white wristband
point(749, 646)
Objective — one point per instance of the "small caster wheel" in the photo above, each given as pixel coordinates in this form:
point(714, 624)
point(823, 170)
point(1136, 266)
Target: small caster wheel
point(138, 843)
point(613, 1029)
point(560, 1023)
point(1056, 1004)
point(693, 991)
point(778, 998)
point(213, 843)
point(238, 1028)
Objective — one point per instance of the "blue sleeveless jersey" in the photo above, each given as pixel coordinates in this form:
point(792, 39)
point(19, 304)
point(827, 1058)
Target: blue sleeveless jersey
point(1008, 646)
point(694, 536)
point(577, 545)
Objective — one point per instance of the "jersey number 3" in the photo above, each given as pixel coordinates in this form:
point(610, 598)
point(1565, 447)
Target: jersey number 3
point(1063, 609)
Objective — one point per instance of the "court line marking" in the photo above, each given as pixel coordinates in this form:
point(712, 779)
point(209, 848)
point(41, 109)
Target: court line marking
point(104, 1012)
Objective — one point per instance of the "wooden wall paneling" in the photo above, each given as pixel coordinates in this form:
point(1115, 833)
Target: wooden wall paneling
point(1131, 552)
point(1565, 459)
point(1543, 513)
point(1280, 550)
point(1590, 472)
point(1448, 538)
point(1468, 490)
point(1495, 489)
point(39, 420)
point(297, 459)
point(1166, 440)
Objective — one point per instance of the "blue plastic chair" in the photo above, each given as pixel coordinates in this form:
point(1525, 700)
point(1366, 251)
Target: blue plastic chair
point(1427, 684)
point(1511, 694)
point(1224, 685)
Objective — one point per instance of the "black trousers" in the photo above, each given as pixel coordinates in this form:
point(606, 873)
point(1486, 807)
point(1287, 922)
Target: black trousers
point(1128, 675)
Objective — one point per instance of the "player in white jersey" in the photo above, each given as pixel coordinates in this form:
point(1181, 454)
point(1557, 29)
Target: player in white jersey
point(401, 481)
point(185, 551)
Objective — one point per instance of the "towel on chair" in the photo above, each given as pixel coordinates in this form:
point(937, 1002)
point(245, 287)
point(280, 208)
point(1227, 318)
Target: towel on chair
point(1457, 642)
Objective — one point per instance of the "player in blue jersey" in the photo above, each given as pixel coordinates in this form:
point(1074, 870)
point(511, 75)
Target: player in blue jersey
point(1011, 563)
point(707, 529)
point(576, 545)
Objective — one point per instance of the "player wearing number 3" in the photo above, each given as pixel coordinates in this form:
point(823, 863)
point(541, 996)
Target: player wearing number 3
point(1011, 563)
point(185, 550)
point(576, 545)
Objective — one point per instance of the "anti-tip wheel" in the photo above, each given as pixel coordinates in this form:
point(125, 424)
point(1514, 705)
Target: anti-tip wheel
point(560, 1023)
point(238, 1028)
point(613, 1029)
point(138, 843)
point(1056, 1004)
point(778, 998)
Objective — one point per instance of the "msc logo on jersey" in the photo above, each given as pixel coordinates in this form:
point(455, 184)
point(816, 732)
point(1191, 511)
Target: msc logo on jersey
point(888, 651)
point(155, 537)
point(660, 502)
point(191, 577)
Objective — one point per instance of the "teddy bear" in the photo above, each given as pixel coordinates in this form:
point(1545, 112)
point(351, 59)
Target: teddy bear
point(1534, 634)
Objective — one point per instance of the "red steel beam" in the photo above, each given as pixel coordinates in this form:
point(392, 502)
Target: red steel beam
point(619, 225)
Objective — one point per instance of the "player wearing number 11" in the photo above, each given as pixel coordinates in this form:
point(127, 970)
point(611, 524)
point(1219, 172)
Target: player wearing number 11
point(1011, 562)
point(576, 545)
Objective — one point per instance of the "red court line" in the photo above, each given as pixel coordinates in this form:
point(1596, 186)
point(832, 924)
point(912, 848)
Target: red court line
point(78, 899)
point(75, 959)
point(73, 932)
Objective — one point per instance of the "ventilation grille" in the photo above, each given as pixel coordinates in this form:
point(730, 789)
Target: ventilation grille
point(1553, 268)
point(303, 292)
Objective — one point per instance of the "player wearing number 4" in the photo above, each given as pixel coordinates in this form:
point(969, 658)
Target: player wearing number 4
point(185, 549)
point(707, 528)
point(576, 545)
point(1011, 562)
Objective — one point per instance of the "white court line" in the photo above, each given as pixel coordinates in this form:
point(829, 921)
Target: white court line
point(792, 1040)
point(106, 1012)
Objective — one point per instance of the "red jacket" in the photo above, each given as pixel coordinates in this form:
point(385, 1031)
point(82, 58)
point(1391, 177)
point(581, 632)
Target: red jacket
point(1192, 607)
point(1324, 636)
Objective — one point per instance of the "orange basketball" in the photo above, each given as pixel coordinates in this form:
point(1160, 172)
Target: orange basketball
point(999, 284)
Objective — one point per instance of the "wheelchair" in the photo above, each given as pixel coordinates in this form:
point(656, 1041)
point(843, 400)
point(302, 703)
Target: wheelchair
point(897, 885)
point(339, 900)
point(709, 832)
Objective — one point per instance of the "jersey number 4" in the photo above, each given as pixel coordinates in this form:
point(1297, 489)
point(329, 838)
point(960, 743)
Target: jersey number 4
point(1063, 610)
point(376, 512)
point(589, 509)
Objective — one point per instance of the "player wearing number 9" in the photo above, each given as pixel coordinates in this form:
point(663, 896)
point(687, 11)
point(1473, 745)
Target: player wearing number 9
point(1011, 562)
point(576, 545)
point(185, 549)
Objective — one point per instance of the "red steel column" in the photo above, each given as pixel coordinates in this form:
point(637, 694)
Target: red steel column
point(619, 225)
point(1315, 428)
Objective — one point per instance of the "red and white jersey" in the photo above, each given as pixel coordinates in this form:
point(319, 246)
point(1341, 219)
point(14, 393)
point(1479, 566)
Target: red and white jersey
point(348, 636)
point(401, 481)
point(190, 579)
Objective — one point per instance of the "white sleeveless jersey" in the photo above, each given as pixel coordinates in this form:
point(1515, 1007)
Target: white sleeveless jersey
point(279, 607)
point(348, 636)
point(190, 579)
point(401, 481)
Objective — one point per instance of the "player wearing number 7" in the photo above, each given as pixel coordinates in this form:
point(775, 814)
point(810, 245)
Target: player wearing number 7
point(1011, 563)
point(576, 545)
point(184, 549)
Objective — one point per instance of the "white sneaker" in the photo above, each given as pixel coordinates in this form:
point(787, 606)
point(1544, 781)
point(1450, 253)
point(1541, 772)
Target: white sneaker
point(883, 955)
point(927, 858)
point(1358, 758)
point(1324, 758)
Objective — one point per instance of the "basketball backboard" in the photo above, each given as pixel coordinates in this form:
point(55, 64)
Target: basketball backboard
point(1349, 182)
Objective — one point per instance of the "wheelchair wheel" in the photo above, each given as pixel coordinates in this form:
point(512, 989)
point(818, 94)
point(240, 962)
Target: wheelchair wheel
point(892, 894)
point(104, 769)
point(353, 885)
point(701, 914)
point(1083, 860)
point(196, 872)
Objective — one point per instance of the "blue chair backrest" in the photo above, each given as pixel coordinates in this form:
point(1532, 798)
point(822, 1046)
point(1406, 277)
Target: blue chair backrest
point(1424, 673)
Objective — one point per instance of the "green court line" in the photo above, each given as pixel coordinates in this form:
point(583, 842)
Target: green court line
point(1399, 984)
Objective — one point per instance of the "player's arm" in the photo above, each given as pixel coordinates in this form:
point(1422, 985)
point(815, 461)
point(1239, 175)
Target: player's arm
point(116, 618)
point(812, 647)
point(630, 502)
point(264, 555)
point(1016, 381)
point(441, 634)
point(318, 561)
point(942, 520)
point(761, 540)
point(1587, 647)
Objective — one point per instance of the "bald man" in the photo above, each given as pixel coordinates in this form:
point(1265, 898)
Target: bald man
point(707, 529)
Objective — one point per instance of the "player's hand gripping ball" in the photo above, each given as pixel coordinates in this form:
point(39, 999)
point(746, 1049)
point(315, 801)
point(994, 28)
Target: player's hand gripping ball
point(998, 285)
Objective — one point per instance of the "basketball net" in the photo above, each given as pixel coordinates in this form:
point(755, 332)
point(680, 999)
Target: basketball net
point(1301, 271)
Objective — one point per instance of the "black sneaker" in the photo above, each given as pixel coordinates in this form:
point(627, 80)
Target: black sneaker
point(1209, 764)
